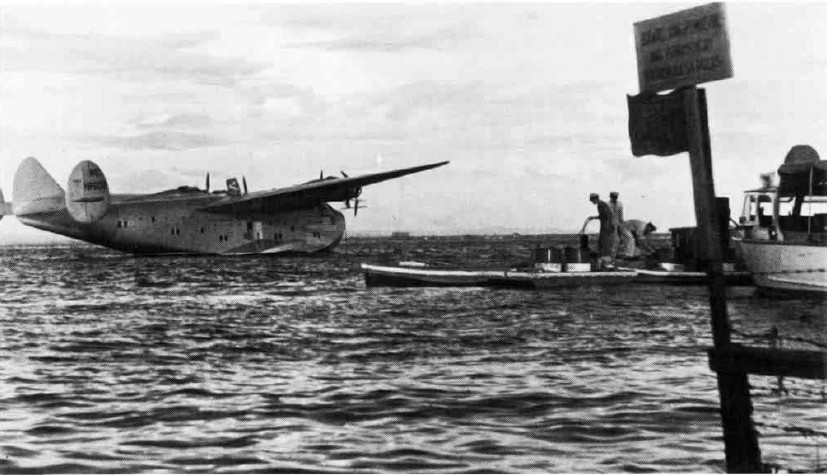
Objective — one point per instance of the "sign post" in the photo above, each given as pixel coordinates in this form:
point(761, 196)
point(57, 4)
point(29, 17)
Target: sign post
point(678, 51)
point(743, 454)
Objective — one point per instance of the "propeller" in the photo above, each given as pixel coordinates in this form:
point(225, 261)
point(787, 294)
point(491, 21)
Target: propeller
point(321, 174)
point(356, 193)
point(356, 206)
point(244, 183)
point(208, 182)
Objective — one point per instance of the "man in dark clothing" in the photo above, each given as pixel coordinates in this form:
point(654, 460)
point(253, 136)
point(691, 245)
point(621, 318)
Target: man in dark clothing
point(608, 231)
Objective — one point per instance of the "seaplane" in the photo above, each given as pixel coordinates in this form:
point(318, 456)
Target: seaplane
point(189, 220)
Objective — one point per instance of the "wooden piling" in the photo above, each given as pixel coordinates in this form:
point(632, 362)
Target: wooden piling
point(740, 438)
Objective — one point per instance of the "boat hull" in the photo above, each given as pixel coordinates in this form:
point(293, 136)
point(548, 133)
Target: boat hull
point(646, 276)
point(779, 267)
point(381, 276)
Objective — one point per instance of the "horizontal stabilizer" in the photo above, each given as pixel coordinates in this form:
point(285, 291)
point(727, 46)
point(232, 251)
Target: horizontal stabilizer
point(94, 199)
point(35, 191)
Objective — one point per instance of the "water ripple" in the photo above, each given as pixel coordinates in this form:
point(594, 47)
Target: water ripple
point(117, 364)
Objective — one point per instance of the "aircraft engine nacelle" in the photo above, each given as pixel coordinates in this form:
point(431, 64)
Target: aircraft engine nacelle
point(87, 196)
point(346, 194)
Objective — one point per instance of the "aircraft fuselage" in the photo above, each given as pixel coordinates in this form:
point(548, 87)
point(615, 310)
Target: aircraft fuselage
point(187, 219)
point(177, 225)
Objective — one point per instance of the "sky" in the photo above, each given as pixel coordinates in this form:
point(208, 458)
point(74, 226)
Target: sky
point(527, 101)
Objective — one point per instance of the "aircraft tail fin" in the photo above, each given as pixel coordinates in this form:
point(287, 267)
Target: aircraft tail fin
point(5, 208)
point(35, 191)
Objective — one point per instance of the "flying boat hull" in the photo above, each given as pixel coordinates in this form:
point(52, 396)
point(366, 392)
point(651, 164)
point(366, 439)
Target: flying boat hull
point(188, 220)
point(157, 229)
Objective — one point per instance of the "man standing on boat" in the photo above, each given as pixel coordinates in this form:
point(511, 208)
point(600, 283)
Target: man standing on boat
point(624, 237)
point(608, 231)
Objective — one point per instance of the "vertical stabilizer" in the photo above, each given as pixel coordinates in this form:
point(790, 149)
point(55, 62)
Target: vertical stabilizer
point(35, 191)
point(87, 198)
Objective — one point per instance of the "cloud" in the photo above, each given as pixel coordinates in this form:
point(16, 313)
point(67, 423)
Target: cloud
point(176, 121)
point(188, 40)
point(392, 43)
point(160, 140)
point(175, 56)
point(374, 28)
point(448, 97)
point(490, 118)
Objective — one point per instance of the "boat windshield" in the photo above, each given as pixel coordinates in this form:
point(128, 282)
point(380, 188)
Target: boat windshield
point(803, 214)
point(757, 209)
point(806, 205)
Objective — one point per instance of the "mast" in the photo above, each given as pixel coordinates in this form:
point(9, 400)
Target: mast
point(810, 216)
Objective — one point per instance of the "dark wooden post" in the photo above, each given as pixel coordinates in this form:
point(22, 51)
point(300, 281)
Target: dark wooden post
point(740, 439)
point(723, 213)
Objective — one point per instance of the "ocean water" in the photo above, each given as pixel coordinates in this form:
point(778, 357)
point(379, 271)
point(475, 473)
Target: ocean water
point(112, 363)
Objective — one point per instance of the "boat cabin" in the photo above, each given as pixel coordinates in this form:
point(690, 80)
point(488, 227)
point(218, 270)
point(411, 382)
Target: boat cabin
point(796, 209)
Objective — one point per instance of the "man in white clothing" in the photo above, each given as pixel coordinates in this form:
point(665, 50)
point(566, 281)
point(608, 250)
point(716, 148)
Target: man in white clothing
point(639, 230)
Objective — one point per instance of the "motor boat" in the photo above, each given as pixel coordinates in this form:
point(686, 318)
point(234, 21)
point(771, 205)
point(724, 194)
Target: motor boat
point(783, 228)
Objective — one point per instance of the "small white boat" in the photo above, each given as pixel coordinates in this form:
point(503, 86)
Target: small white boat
point(783, 228)
point(384, 276)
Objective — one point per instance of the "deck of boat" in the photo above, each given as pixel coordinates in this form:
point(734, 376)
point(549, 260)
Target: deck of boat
point(393, 276)
point(383, 276)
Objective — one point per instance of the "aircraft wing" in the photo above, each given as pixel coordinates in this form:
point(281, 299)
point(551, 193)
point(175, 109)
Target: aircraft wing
point(308, 195)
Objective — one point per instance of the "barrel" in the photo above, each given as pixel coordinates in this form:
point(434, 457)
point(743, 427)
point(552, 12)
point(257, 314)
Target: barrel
point(573, 254)
point(577, 260)
point(548, 254)
point(549, 259)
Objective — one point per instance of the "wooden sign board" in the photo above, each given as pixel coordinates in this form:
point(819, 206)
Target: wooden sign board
point(683, 48)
